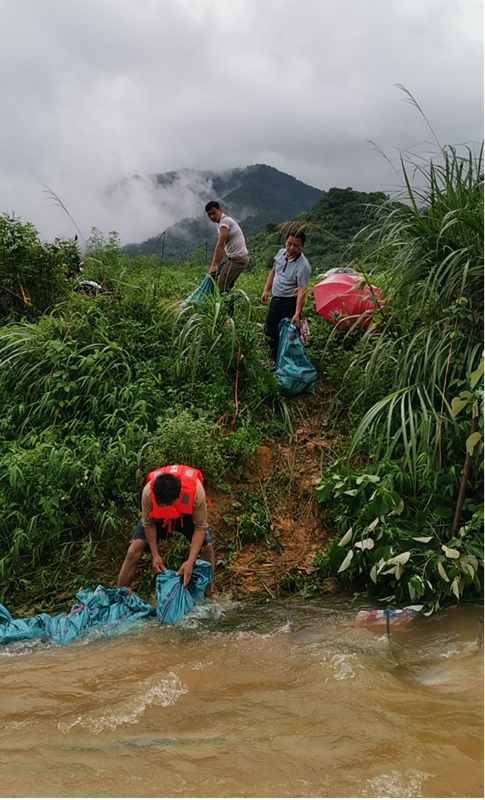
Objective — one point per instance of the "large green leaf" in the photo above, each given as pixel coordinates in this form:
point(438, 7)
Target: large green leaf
point(346, 562)
point(459, 403)
point(472, 442)
point(346, 539)
point(477, 374)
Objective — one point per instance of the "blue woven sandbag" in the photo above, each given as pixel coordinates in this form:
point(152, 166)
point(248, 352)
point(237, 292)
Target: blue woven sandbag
point(173, 599)
point(204, 292)
point(201, 294)
point(294, 370)
point(11, 630)
point(113, 608)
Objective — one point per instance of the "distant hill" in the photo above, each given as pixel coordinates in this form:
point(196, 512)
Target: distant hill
point(255, 196)
point(333, 222)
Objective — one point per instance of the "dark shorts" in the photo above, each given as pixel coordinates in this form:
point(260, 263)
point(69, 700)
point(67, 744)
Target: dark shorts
point(187, 530)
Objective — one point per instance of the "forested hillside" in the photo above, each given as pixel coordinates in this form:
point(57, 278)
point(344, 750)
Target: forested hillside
point(330, 227)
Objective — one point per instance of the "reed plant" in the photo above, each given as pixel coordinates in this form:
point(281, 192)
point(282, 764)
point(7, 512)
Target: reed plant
point(417, 366)
point(428, 252)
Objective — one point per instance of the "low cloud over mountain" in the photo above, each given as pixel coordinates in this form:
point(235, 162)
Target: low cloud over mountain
point(254, 196)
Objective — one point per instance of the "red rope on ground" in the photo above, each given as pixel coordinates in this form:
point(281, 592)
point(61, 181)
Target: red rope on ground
point(236, 387)
point(75, 610)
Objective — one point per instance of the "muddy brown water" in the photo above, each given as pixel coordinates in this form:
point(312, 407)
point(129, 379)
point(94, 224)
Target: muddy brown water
point(239, 701)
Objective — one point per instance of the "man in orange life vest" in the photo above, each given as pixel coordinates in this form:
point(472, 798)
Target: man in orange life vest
point(173, 499)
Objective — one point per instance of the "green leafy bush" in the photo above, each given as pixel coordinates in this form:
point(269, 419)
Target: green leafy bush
point(252, 523)
point(396, 543)
point(429, 256)
point(187, 438)
point(98, 391)
point(31, 272)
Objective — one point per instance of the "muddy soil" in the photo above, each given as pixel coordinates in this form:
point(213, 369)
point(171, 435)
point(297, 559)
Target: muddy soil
point(282, 475)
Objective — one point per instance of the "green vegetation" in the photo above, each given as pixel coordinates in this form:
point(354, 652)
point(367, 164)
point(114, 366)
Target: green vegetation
point(331, 227)
point(31, 272)
point(252, 522)
point(412, 376)
point(97, 391)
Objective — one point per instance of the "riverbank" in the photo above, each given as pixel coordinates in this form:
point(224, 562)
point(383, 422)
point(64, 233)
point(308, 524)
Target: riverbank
point(376, 483)
point(268, 525)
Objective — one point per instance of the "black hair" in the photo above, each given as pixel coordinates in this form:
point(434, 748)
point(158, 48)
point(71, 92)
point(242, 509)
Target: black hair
point(166, 489)
point(297, 234)
point(212, 204)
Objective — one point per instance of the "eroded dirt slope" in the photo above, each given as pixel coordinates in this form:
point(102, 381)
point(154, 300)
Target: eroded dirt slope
point(282, 475)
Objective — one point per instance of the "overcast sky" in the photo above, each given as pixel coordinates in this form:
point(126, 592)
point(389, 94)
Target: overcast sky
point(97, 90)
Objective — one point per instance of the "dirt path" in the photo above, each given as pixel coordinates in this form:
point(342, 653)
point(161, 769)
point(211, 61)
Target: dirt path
point(282, 477)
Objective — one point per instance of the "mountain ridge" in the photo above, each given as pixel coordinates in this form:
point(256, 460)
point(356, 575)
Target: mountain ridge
point(255, 196)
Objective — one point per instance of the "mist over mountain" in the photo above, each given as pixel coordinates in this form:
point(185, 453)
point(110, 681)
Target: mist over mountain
point(254, 196)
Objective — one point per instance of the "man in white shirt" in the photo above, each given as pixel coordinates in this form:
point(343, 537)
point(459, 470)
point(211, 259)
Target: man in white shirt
point(231, 242)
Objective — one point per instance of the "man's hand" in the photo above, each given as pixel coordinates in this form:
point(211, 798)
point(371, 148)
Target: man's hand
point(264, 298)
point(186, 571)
point(296, 320)
point(158, 564)
point(212, 271)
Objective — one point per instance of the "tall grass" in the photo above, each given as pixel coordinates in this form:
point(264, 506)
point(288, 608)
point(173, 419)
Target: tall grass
point(97, 392)
point(429, 253)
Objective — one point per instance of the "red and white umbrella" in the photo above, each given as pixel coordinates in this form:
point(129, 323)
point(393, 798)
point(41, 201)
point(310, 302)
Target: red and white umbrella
point(345, 299)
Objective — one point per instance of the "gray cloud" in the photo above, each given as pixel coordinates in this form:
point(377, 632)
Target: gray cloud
point(98, 90)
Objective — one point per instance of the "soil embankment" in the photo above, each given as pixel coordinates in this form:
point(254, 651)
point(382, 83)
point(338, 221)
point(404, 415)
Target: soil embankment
point(282, 475)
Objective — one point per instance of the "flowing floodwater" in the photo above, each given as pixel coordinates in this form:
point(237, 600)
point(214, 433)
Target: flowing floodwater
point(240, 701)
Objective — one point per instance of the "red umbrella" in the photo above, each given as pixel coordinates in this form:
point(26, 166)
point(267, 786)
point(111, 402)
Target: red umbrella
point(343, 298)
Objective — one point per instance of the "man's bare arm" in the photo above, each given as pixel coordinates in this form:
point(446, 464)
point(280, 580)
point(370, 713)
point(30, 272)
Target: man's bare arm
point(151, 537)
point(268, 287)
point(219, 251)
point(300, 302)
point(195, 546)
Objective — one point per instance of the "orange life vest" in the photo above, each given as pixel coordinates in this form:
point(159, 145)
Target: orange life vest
point(184, 504)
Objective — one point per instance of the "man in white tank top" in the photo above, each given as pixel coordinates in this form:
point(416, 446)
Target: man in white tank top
point(231, 242)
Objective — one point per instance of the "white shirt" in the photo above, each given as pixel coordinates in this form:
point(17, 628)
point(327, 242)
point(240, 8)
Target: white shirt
point(235, 246)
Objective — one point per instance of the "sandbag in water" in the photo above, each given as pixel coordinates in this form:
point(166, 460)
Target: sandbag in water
point(174, 601)
point(112, 608)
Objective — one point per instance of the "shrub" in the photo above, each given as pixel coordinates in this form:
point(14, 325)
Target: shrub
point(31, 272)
point(395, 542)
